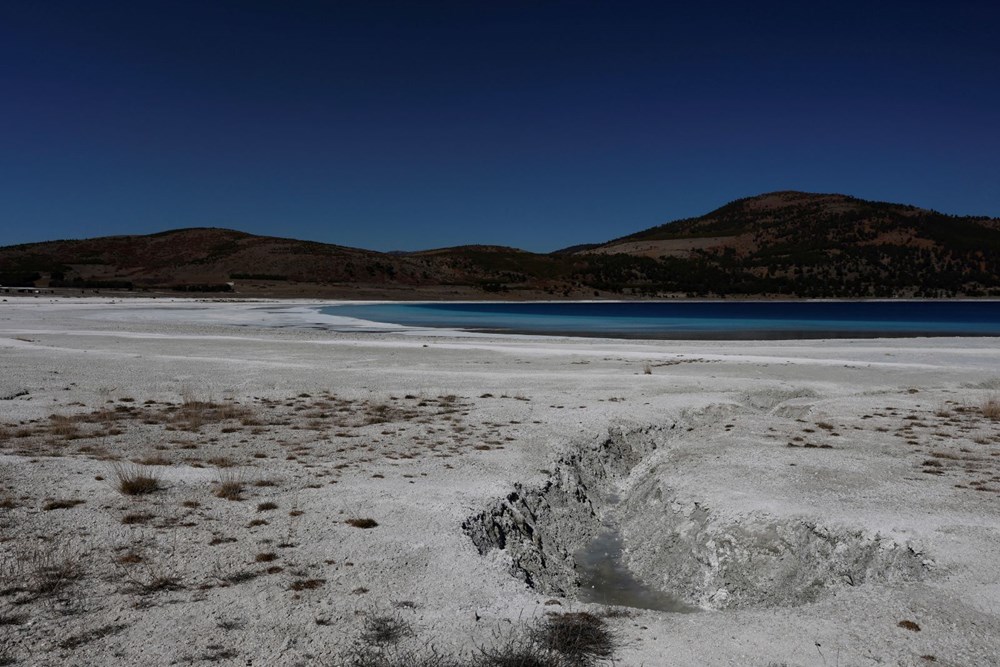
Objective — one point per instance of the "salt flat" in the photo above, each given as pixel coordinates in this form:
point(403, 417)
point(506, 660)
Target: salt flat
point(809, 496)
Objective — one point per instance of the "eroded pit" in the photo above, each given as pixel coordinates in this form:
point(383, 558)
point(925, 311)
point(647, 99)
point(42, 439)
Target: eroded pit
point(667, 554)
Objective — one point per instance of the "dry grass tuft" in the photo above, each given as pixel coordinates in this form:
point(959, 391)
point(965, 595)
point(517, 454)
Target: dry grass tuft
point(156, 460)
point(385, 629)
point(60, 504)
point(306, 584)
point(991, 407)
point(222, 462)
point(144, 576)
point(134, 480)
point(64, 426)
point(230, 485)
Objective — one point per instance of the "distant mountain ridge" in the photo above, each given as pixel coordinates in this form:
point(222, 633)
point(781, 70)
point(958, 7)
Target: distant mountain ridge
point(777, 244)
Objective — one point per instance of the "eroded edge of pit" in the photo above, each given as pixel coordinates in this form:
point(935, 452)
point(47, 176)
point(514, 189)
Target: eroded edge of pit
point(681, 548)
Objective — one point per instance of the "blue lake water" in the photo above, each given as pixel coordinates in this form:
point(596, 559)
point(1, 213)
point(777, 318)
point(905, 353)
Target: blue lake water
point(713, 320)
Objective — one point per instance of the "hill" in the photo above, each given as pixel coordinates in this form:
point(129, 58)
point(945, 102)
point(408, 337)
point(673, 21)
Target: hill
point(802, 244)
point(221, 260)
point(777, 244)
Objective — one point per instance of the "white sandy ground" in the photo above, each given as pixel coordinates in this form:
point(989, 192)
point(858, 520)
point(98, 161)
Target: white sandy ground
point(744, 401)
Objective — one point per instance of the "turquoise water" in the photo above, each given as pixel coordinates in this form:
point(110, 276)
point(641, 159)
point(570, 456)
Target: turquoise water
point(722, 319)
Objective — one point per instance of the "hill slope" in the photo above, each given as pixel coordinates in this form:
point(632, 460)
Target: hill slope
point(777, 244)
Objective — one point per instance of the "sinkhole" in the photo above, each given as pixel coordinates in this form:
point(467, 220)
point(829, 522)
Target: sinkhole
point(574, 536)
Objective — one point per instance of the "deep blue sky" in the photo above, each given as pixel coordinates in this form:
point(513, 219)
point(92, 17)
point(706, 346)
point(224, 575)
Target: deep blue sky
point(537, 124)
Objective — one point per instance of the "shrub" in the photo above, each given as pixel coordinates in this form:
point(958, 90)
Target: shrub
point(580, 637)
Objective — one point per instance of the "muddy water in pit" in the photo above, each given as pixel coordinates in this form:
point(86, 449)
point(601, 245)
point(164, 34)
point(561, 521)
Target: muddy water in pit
point(604, 579)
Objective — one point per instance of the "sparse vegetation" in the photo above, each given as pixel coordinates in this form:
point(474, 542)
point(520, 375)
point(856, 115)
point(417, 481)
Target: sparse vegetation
point(345, 445)
point(556, 640)
point(361, 655)
point(41, 571)
point(64, 426)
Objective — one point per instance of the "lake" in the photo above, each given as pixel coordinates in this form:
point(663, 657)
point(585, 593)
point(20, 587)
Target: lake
point(737, 320)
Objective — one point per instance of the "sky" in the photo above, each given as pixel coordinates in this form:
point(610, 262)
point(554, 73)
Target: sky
point(536, 124)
